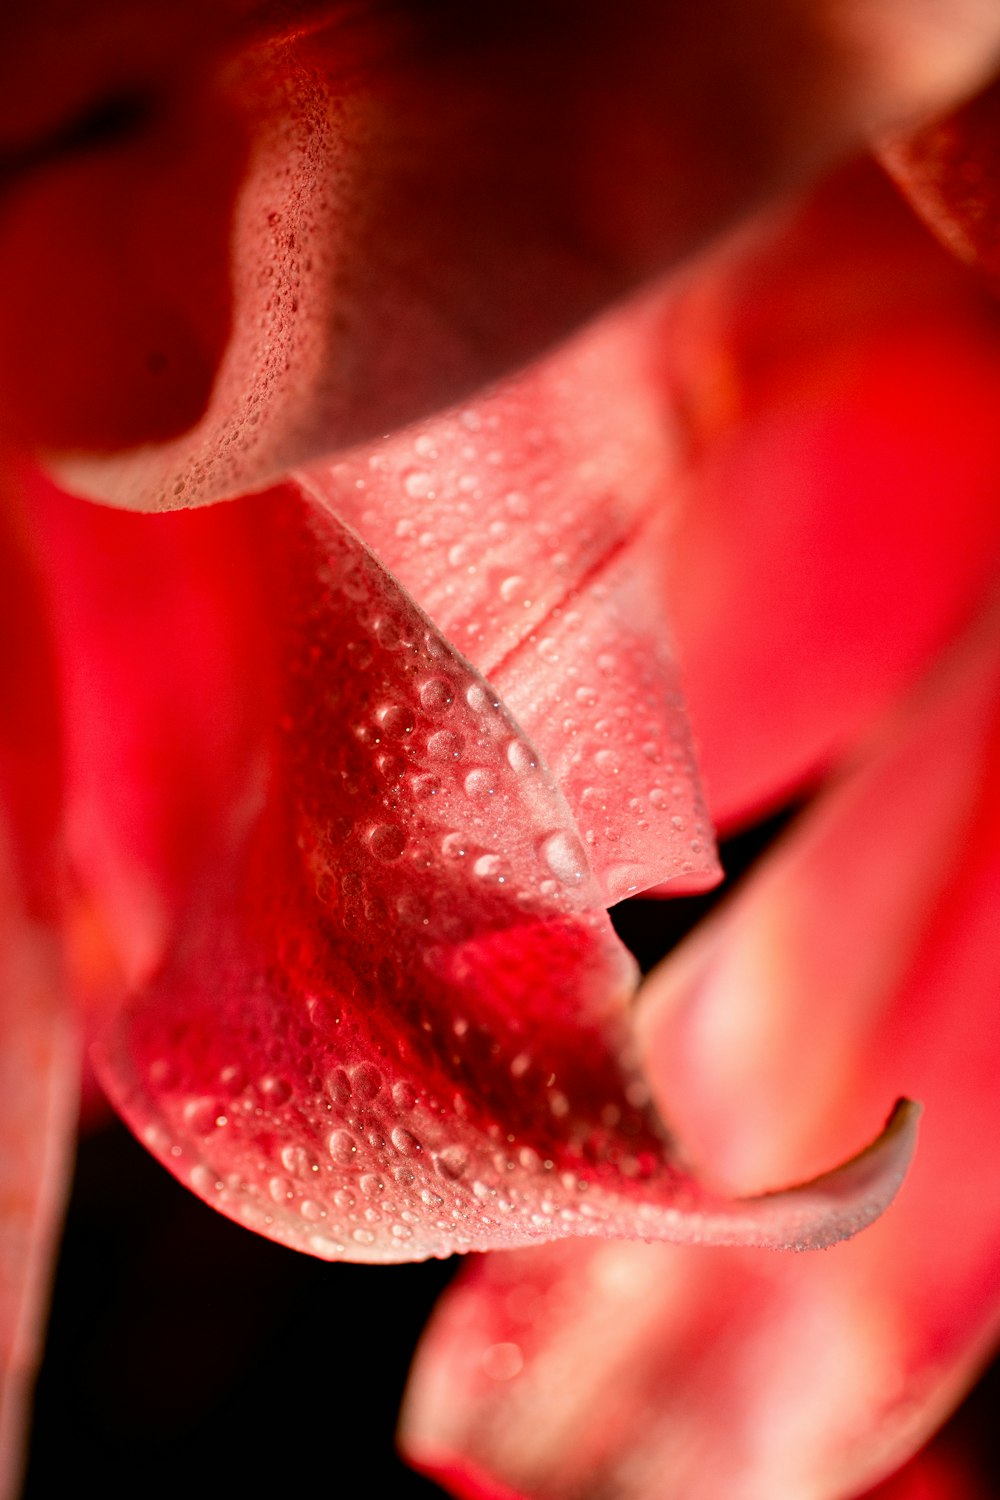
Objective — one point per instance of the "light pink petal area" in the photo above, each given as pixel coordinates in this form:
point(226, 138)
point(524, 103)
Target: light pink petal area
point(412, 200)
point(838, 384)
point(530, 526)
point(393, 1024)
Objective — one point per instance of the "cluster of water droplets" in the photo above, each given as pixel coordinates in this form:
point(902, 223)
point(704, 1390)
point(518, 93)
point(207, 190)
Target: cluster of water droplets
point(403, 1086)
point(528, 532)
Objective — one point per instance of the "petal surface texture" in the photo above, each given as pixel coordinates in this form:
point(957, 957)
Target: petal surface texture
point(393, 1020)
point(297, 226)
point(531, 526)
point(860, 958)
point(835, 386)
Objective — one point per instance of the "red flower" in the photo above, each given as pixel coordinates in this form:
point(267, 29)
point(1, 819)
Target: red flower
point(331, 789)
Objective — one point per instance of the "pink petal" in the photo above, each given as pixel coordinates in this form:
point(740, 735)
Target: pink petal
point(325, 219)
point(839, 382)
point(530, 527)
point(466, 1084)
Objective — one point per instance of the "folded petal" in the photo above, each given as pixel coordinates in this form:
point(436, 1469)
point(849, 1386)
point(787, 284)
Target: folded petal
point(530, 526)
point(246, 234)
point(468, 1082)
point(837, 383)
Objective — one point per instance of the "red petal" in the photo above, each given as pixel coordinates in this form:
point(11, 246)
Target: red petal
point(154, 622)
point(38, 1059)
point(840, 384)
point(530, 527)
point(468, 1085)
point(430, 195)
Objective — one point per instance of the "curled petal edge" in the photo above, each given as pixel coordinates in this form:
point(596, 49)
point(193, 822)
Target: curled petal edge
point(829, 1208)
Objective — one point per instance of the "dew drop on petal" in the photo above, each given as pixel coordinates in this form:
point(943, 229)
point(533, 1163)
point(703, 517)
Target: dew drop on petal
point(387, 841)
point(564, 856)
point(520, 758)
point(436, 695)
point(405, 1141)
point(343, 1147)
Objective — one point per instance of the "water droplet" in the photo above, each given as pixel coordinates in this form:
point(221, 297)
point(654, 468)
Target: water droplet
point(343, 1148)
point(404, 1095)
point(387, 632)
point(454, 846)
point(479, 783)
point(425, 786)
point(520, 758)
point(606, 664)
point(565, 857)
point(298, 1161)
point(512, 589)
point(477, 698)
point(203, 1115)
point(363, 1236)
point(387, 841)
point(492, 867)
point(275, 1091)
point(452, 1162)
point(586, 696)
point(392, 767)
point(366, 1081)
point(344, 1198)
point(371, 1185)
point(436, 695)
point(405, 1141)
point(395, 720)
point(443, 745)
point(417, 484)
point(658, 797)
point(607, 761)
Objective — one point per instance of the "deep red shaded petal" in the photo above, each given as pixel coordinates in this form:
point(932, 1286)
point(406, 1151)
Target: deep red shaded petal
point(468, 1083)
point(840, 384)
point(530, 526)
